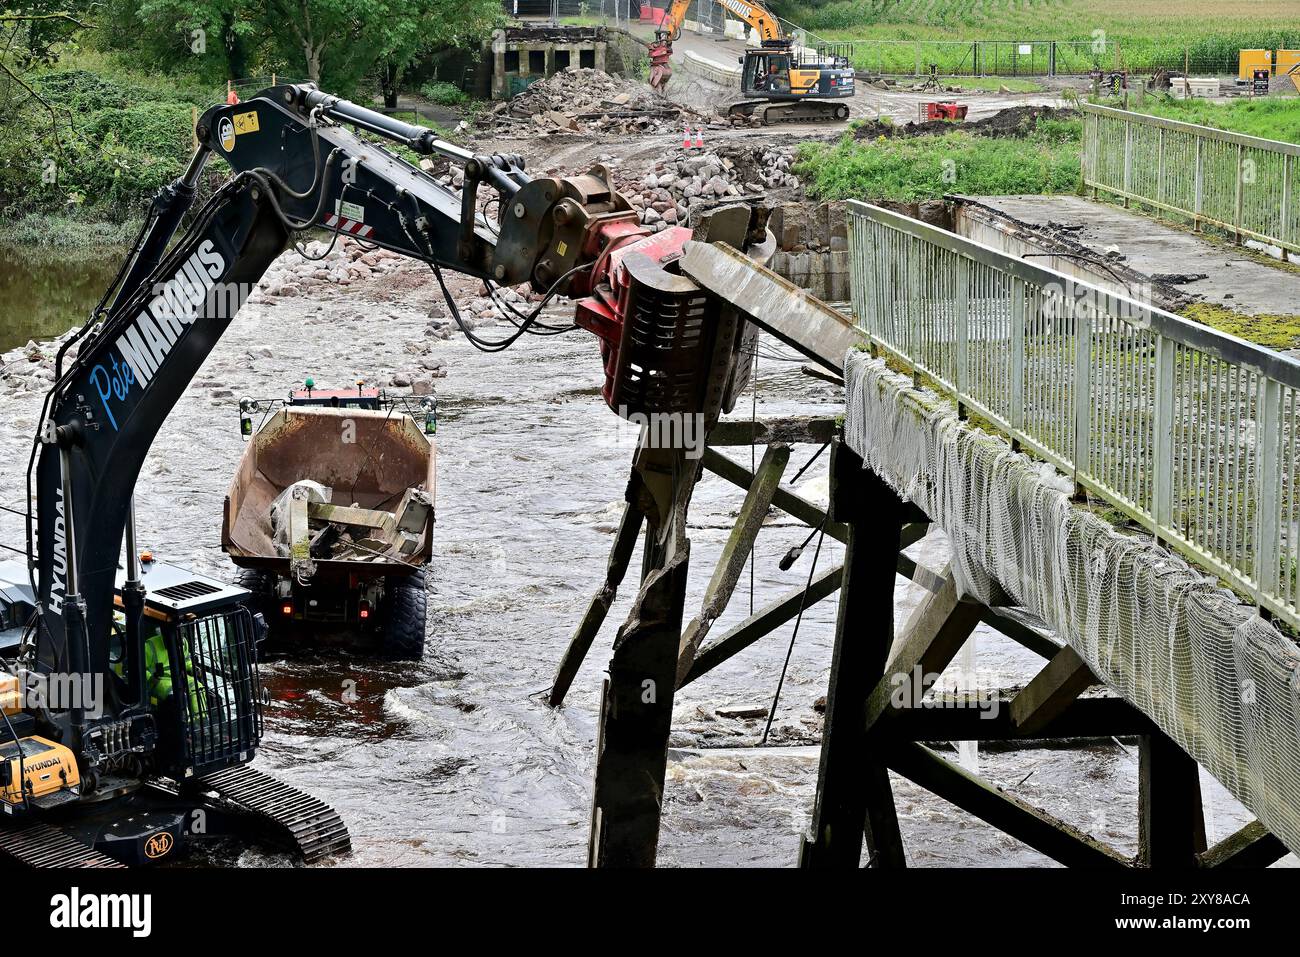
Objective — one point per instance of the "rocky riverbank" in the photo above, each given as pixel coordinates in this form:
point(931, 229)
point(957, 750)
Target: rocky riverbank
point(377, 281)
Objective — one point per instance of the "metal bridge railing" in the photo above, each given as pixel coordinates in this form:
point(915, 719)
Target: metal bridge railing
point(1190, 432)
point(1244, 184)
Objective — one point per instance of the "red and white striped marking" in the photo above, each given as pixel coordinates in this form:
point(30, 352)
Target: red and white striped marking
point(348, 226)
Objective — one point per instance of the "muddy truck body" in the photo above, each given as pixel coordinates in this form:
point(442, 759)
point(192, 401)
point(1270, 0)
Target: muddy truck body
point(330, 518)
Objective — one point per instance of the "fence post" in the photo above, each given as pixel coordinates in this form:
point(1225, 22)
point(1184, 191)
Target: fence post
point(1160, 171)
point(1051, 58)
point(1285, 233)
point(1017, 410)
point(962, 330)
point(1268, 538)
point(1198, 202)
point(1162, 494)
point(918, 59)
point(1128, 158)
point(1237, 197)
point(1082, 453)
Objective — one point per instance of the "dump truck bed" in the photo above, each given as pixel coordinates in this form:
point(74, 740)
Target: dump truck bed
point(368, 461)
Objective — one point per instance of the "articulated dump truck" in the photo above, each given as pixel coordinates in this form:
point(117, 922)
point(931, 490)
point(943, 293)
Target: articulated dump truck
point(330, 517)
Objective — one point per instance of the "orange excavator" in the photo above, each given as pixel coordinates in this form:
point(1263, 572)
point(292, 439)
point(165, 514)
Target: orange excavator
point(785, 86)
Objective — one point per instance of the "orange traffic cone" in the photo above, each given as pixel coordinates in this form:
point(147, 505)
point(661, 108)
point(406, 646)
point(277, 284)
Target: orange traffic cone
point(686, 137)
point(699, 137)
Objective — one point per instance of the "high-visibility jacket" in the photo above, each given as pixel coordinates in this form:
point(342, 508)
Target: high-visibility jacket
point(158, 673)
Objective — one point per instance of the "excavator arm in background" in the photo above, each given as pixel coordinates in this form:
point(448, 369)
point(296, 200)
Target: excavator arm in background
point(670, 28)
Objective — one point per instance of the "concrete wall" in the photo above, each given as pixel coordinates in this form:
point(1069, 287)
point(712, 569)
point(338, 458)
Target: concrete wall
point(712, 70)
point(812, 248)
point(539, 52)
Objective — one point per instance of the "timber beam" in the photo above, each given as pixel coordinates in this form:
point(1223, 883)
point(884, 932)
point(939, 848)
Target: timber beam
point(1171, 825)
point(987, 716)
point(629, 527)
point(933, 636)
point(762, 622)
point(813, 430)
point(735, 553)
point(1252, 846)
point(802, 509)
point(1046, 834)
point(1051, 691)
point(631, 758)
point(854, 798)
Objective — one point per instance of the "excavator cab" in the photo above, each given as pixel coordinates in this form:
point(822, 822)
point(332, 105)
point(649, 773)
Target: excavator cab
point(765, 73)
point(203, 699)
point(200, 661)
point(789, 88)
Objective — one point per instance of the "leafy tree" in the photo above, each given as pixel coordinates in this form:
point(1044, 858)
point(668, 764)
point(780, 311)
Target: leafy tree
point(433, 24)
point(331, 42)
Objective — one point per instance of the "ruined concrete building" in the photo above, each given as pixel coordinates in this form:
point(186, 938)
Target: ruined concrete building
point(524, 54)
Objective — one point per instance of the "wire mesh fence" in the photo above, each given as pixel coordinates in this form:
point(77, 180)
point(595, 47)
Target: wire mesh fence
point(1243, 184)
point(1190, 432)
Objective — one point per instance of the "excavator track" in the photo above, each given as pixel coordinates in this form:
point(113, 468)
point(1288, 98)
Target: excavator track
point(36, 844)
point(801, 111)
point(313, 827)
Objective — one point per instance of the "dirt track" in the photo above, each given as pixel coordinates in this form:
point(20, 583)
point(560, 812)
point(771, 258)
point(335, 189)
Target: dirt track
point(634, 153)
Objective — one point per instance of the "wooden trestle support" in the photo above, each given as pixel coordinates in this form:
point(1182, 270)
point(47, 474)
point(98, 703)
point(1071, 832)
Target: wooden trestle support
point(866, 734)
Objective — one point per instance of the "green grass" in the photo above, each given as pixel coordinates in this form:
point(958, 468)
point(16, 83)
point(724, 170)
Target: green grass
point(1274, 119)
point(911, 169)
point(1149, 33)
point(443, 93)
point(68, 233)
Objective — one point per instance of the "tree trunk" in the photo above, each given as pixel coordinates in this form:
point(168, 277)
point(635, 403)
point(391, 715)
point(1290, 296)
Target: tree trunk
point(389, 74)
point(236, 54)
point(313, 62)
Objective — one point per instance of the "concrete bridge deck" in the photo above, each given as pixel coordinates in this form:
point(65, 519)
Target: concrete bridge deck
point(1235, 278)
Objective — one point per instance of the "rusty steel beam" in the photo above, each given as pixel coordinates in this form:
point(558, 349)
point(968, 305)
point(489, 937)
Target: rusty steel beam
point(792, 315)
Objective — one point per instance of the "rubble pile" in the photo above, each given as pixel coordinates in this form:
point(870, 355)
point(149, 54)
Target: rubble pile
point(690, 178)
point(1015, 122)
point(582, 100)
point(343, 263)
point(31, 368)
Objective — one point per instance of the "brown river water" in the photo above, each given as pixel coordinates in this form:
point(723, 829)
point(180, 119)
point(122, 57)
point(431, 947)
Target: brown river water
point(457, 759)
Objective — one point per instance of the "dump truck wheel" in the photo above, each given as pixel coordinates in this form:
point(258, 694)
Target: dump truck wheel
point(254, 580)
point(407, 601)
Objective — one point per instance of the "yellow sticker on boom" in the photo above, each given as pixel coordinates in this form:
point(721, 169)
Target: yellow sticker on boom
point(246, 123)
point(561, 248)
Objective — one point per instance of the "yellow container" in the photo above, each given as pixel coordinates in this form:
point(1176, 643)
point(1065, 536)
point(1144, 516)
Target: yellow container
point(1248, 61)
point(1287, 61)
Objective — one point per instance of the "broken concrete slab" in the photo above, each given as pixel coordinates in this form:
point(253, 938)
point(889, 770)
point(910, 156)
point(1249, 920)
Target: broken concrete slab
point(1082, 231)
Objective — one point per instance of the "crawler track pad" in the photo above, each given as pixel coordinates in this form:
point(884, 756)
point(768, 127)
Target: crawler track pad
point(37, 844)
point(310, 825)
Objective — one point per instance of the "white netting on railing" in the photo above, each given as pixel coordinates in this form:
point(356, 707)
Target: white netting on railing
point(1220, 680)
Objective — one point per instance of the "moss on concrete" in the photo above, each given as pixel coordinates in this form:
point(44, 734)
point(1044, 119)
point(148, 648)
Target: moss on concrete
point(1270, 331)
